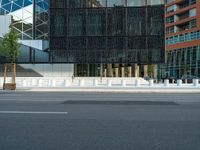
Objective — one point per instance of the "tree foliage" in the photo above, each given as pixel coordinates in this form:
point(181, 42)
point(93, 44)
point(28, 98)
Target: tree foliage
point(9, 46)
point(150, 70)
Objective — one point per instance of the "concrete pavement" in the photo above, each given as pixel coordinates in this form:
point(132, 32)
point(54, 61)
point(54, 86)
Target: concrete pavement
point(155, 89)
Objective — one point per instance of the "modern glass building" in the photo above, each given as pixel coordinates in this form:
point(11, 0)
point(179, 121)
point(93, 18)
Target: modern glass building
point(90, 32)
point(29, 17)
point(107, 31)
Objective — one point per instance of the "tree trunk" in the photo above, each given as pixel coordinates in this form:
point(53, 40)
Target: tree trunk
point(12, 85)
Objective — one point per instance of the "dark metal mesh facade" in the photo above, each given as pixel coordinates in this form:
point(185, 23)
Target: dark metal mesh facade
point(84, 33)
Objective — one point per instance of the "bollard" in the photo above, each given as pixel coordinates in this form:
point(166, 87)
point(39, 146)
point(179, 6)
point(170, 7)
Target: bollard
point(24, 83)
point(33, 82)
point(49, 83)
point(53, 82)
point(151, 82)
point(137, 82)
point(109, 83)
point(195, 82)
point(179, 83)
point(40, 83)
point(95, 82)
point(166, 83)
point(1, 82)
point(67, 83)
point(124, 83)
point(81, 82)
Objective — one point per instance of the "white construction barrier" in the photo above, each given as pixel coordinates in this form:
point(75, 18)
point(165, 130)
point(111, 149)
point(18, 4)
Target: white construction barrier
point(53, 83)
point(81, 82)
point(24, 83)
point(137, 82)
point(67, 83)
point(166, 83)
point(195, 82)
point(40, 83)
point(1, 82)
point(49, 83)
point(179, 83)
point(95, 82)
point(124, 83)
point(151, 82)
point(109, 83)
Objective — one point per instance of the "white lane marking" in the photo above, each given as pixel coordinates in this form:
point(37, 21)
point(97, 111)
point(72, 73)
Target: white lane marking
point(32, 112)
point(19, 100)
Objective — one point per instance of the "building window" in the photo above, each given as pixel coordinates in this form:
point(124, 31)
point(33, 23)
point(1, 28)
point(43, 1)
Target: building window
point(191, 2)
point(75, 23)
point(192, 12)
point(155, 2)
point(183, 38)
point(60, 3)
point(75, 3)
point(169, 1)
point(136, 2)
point(170, 19)
point(115, 3)
point(192, 24)
point(59, 26)
point(170, 30)
point(95, 24)
point(170, 9)
point(95, 3)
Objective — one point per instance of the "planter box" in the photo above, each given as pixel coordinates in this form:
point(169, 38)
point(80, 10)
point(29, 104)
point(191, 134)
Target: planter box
point(9, 86)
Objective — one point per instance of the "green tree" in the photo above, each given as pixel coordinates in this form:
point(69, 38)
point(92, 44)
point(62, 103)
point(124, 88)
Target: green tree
point(184, 69)
point(9, 49)
point(150, 70)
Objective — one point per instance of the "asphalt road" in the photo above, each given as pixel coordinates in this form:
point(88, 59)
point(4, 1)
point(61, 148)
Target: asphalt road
point(99, 121)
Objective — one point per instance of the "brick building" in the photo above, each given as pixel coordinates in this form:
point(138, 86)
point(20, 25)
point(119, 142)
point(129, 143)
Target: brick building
point(182, 39)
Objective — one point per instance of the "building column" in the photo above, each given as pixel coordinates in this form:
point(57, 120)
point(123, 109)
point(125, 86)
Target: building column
point(116, 70)
point(109, 70)
point(129, 71)
point(122, 71)
point(136, 70)
point(145, 70)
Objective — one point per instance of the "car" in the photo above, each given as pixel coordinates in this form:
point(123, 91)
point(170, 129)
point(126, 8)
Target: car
point(188, 78)
point(170, 78)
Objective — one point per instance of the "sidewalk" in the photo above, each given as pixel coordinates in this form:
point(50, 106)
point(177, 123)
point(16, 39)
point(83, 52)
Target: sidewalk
point(115, 89)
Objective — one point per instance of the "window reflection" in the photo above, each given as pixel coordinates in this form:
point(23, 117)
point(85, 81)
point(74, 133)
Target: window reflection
point(115, 3)
point(155, 2)
point(95, 22)
point(96, 3)
point(75, 3)
point(136, 2)
point(111, 34)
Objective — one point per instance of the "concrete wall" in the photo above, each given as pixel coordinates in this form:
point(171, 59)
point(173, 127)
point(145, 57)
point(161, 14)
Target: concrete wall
point(51, 70)
point(5, 22)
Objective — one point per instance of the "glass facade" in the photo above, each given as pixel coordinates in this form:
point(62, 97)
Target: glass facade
point(186, 37)
point(30, 17)
point(29, 55)
point(107, 31)
point(180, 62)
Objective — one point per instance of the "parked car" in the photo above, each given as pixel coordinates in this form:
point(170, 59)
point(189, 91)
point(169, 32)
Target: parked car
point(188, 78)
point(171, 79)
point(149, 78)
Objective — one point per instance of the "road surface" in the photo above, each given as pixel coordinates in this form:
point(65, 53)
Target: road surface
point(99, 121)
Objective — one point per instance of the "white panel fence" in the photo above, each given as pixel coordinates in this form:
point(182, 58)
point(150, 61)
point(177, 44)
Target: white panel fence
point(96, 82)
